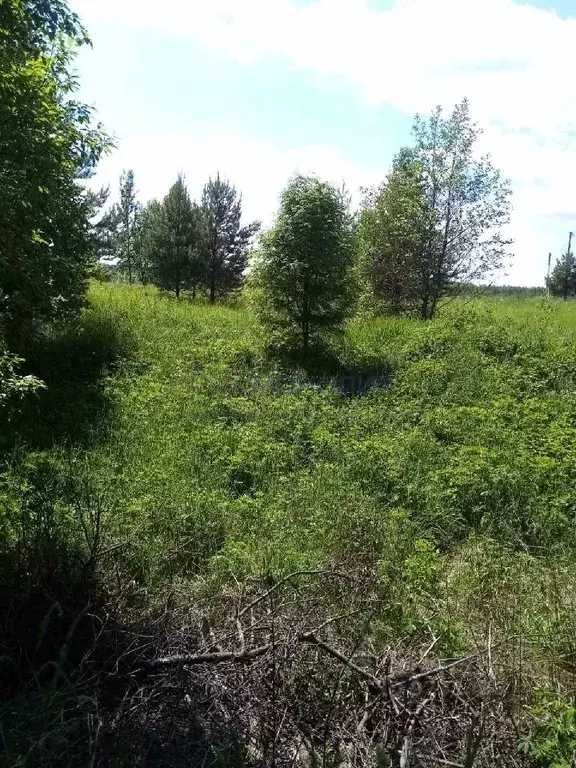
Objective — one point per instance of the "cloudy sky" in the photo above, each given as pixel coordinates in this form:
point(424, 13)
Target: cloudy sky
point(259, 89)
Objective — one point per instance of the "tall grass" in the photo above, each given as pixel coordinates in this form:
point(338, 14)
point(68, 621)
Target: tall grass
point(182, 464)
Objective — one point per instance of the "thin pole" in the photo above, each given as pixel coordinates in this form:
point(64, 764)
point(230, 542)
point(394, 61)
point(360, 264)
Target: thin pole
point(548, 277)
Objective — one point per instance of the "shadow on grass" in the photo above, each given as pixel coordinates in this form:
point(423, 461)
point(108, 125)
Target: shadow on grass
point(75, 406)
point(347, 371)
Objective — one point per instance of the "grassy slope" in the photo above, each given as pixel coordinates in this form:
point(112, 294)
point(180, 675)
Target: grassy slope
point(219, 473)
point(456, 482)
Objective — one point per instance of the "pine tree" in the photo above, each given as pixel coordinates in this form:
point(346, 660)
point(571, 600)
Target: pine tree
point(141, 256)
point(562, 281)
point(171, 238)
point(225, 242)
point(127, 213)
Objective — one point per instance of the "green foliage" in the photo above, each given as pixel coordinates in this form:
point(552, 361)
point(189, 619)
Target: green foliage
point(47, 142)
point(392, 228)
point(127, 222)
point(436, 225)
point(552, 743)
point(172, 237)
point(304, 268)
point(224, 242)
point(562, 281)
point(450, 488)
point(13, 386)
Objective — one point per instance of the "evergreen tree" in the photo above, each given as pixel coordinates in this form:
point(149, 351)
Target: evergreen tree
point(105, 223)
point(225, 242)
point(128, 210)
point(141, 257)
point(562, 281)
point(172, 237)
point(305, 261)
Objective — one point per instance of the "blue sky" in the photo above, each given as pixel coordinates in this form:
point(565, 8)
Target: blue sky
point(259, 89)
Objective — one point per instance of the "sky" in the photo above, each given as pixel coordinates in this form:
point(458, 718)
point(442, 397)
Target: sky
point(260, 89)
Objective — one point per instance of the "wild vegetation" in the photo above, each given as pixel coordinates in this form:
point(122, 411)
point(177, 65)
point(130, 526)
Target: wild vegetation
point(303, 500)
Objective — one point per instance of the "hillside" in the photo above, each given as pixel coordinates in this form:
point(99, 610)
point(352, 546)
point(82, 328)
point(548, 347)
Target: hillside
point(418, 492)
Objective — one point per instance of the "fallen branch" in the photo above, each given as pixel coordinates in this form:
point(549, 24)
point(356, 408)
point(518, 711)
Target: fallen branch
point(206, 658)
point(407, 679)
point(310, 637)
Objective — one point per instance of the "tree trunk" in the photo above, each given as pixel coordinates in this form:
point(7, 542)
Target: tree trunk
point(129, 259)
point(305, 339)
point(212, 287)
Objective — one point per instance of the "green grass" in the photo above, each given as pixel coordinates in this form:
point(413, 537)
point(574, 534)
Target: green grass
point(182, 465)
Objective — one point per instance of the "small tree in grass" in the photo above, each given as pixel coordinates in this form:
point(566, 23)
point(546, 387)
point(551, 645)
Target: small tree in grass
point(305, 262)
point(392, 228)
point(171, 238)
point(438, 223)
point(562, 281)
point(224, 242)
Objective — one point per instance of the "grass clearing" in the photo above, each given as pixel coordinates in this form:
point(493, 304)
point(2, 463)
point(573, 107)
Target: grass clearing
point(188, 464)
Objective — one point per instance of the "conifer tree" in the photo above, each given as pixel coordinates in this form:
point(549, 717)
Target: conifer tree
point(224, 242)
point(171, 238)
point(562, 281)
point(128, 209)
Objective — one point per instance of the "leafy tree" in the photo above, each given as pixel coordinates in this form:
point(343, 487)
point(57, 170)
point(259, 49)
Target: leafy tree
point(172, 237)
point(47, 143)
point(224, 242)
point(128, 209)
point(562, 281)
point(305, 263)
point(392, 228)
point(465, 204)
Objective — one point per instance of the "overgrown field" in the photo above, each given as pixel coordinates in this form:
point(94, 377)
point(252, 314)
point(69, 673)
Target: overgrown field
point(171, 473)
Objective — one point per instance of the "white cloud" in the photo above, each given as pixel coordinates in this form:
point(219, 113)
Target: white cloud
point(258, 169)
point(513, 61)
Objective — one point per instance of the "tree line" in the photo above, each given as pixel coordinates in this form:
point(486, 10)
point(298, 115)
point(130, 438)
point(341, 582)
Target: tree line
point(176, 243)
point(430, 230)
point(433, 227)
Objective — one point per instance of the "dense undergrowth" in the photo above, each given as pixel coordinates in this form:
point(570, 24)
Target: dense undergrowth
point(169, 465)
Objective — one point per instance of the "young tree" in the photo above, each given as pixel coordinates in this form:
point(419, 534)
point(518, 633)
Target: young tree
point(392, 229)
point(128, 209)
point(104, 222)
point(141, 256)
point(562, 281)
point(224, 242)
point(47, 142)
point(172, 236)
point(305, 263)
point(465, 206)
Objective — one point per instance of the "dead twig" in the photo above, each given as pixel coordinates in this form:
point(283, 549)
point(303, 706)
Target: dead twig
point(308, 572)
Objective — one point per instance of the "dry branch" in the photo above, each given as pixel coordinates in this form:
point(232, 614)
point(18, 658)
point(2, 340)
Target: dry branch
point(206, 658)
